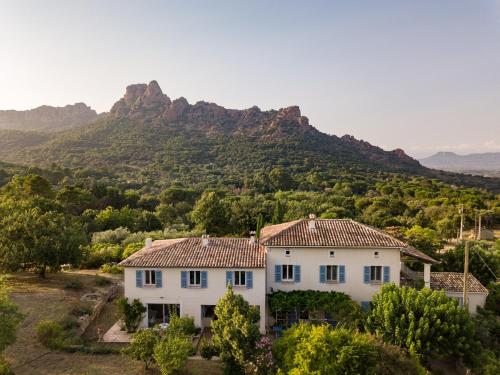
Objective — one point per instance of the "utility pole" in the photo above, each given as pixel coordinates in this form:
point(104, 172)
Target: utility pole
point(466, 274)
point(461, 222)
point(479, 228)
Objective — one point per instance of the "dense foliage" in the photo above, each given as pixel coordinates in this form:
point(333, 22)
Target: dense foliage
point(10, 317)
point(235, 331)
point(321, 350)
point(339, 306)
point(131, 313)
point(142, 345)
point(426, 322)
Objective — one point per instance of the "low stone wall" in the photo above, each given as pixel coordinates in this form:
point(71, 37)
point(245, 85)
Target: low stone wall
point(104, 298)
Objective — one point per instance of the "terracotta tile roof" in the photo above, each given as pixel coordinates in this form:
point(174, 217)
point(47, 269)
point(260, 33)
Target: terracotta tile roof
point(190, 252)
point(329, 232)
point(454, 282)
point(271, 230)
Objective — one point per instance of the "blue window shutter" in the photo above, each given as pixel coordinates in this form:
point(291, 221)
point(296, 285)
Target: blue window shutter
point(249, 279)
point(203, 279)
point(366, 275)
point(322, 274)
point(158, 278)
point(387, 274)
point(138, 278)
point(365, 305)
point(184, 279)
point(229, 278)
point(277, 273)
point(296, 274)
point(341, 274)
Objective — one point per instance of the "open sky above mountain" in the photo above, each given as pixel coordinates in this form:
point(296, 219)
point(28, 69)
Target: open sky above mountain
point(422, 75)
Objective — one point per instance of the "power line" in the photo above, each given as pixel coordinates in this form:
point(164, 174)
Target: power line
point(486, 264)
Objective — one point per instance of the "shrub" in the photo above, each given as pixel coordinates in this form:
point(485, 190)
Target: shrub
point(319, 349)
point(131, 314)
point(131, 248)
point(182, 325)
point(112, 268)
point(74, 285)
point(392, 360)
point(5, 368)
point(98, 254)
point(263, 360)
point(115, 236)
point(69, 322)
point(80, 309)
point(207, 349)
point(493, 298)
point(142, 346)
point(422, 321)
point(49, 334)
point(172, 352)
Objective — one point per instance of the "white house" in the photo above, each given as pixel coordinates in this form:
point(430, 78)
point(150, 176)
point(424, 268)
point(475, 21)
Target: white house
point(189, 275)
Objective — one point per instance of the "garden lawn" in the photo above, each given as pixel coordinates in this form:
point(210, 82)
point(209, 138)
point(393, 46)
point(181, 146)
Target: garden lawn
point(42, 299)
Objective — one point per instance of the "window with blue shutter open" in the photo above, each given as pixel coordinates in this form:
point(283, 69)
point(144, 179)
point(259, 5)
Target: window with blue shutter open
point(249, 275)
point(184, 279)
point(158, 277)
point(277, 273)
point(387, 274)
point(138, 278)
point(229, 278)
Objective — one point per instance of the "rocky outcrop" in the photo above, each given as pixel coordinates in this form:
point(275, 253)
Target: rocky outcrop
point(47, 118)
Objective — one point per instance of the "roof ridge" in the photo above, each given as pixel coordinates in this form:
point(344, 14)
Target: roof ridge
point(283, 230)
point(378, 230)
point(144, 251)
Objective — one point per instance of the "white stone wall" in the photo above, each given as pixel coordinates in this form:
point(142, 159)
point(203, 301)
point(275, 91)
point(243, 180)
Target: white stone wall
point(191, 299)
point(475, 299)
point(354, 259)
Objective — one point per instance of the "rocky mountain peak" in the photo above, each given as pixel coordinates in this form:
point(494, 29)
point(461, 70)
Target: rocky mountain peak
point(140, 99)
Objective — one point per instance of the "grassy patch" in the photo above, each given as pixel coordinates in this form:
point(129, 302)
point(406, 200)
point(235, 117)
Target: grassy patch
point(49, 298)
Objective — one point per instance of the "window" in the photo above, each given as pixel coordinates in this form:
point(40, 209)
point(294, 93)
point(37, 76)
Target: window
point(376, 254)
point(332, 253)
point(287, 272)
point(149, 277)
point(194, 278)
point(331, 273)
point(287, 252)
point(239, 278)
point(376, 274)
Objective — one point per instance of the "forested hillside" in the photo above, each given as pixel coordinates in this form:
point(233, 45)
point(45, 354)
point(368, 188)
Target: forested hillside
point(149, 140)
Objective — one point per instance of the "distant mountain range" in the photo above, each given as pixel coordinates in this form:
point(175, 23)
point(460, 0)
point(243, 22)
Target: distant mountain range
point(150, 139)
point(47, 118)
point(449, 161)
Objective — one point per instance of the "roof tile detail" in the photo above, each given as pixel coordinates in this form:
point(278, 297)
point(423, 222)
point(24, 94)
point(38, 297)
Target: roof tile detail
point(190, 252)
point(454, 282)
point(329, 232)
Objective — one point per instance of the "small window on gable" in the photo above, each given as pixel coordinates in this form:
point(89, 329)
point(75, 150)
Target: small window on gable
point(332, 254)
point(376, 254)
point(288, 252)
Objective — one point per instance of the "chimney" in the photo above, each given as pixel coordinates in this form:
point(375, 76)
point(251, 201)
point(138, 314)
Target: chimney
point(312, 221)
point(149, 242)
point(252, 237)
point(427, 275)
point(204, 239)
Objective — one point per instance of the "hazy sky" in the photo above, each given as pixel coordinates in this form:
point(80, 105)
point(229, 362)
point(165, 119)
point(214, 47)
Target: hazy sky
point(420, 75)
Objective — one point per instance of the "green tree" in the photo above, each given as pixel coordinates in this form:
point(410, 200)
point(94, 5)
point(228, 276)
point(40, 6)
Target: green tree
point(278, 213)
point(131, 313)
point(30, 237)
point(142, 345)
point(172, 352)
point(210, 213)
point(321, 350)
point(424, 239)
point(426, 322)
point(235, 331)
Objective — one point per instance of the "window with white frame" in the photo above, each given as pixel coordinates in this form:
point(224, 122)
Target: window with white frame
point(376, 274)
point(287, 272)
point(332, 274)
point(240, 278)
point(149, 277)
point(194, 278)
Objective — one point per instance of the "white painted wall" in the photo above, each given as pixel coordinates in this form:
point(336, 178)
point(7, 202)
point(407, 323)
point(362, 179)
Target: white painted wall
point(475, 299)
point(191, 299)
point(354, 259)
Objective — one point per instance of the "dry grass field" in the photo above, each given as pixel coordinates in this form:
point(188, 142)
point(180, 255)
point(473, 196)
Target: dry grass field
point(49, 299)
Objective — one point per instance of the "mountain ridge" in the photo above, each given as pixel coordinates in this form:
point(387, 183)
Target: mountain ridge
point(147, 136)
point(451, 161)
